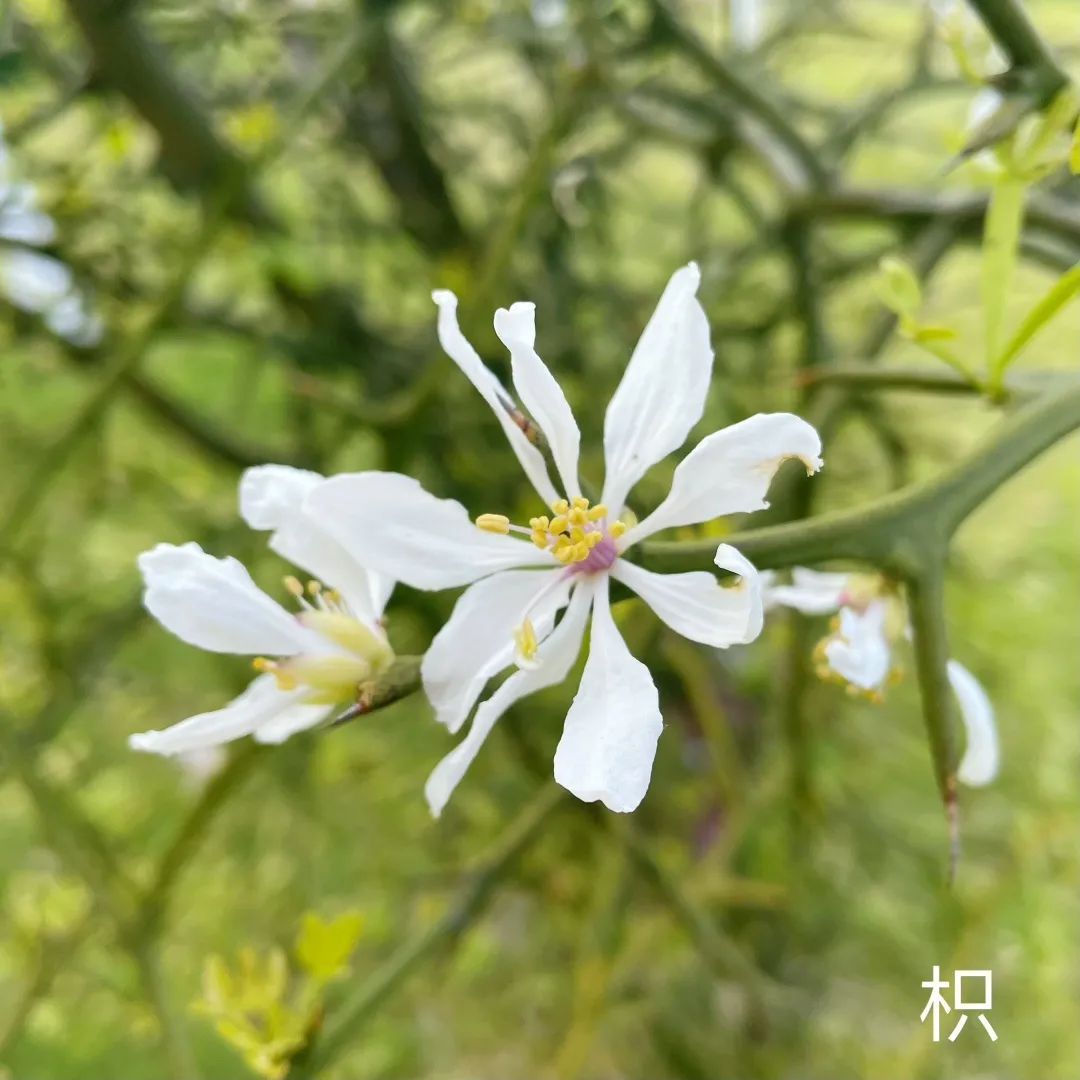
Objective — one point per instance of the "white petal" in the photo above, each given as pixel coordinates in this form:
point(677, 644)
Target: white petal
point(540, 393)
point(289, 721)
point(556, 656)
point(391, 524)
point(609, 740)
point(662, 393)
point(477, 641)
point(696, 605)
point(860, 652)
point(258, 705)
point(214, 604)
point(812, 592)
point(466, 358)
point(981, 759)
point(272, 497)
point(729, 472)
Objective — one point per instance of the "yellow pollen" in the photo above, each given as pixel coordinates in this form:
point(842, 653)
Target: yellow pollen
point(598, 512)
point(314, 587)
point(618, 529)
point(294, 586)
point(577, 516)
point(493, 523)
point(539, 538)
point(558, 525)
point(577, 534)
point(561, 507)
point(581, 503)
point(540, 524)
point(525, 639)
point(581, 551)
point(593, 538)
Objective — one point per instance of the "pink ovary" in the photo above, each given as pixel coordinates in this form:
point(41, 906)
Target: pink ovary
point(600, 558)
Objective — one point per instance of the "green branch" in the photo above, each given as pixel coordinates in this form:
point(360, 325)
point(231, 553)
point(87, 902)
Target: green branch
point(1008, 24)
point(352, 1014)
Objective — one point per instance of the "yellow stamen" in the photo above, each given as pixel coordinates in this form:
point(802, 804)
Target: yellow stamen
point(539, 523)
point(525, 639)
point(577, 534)
point(294, 586)
point(561, 507)
point(581, 551)
point(261, 664)
point(577, 516)
point(539, 538)
point(493, 523)
point(558, 525)
point(314, 587)
point(593, 538)
point(617, 529)
point(581, 503)
point(598, 512)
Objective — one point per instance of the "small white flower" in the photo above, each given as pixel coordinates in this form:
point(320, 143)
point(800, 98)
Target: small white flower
point(567, 556)
point(859, 653)
point(320, 655)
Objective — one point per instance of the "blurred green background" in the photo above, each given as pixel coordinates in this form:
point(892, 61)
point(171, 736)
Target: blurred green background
point(220, 222)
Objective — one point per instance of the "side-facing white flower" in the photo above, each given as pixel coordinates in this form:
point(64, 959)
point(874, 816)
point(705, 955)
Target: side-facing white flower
point(320, 655)
point(566, 558)
point(859, 652)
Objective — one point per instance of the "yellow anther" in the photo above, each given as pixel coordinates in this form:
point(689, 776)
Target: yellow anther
point(577, 516)
point(581, 503)
point(314, 587)
point(260, 663)
point(493, 523)
point(598, 512)
point(593, 538)
point(564, 551)
point(540, 523)
point(577, 534)
point(525, 640)
point(581, 551)
point(558, 525)
point(617, 529)
point(539, 538)
point(561, 507)
point(294, 586)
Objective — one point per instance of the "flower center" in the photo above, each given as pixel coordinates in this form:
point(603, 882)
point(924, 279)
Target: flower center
point(578, 535)
point(353, 651)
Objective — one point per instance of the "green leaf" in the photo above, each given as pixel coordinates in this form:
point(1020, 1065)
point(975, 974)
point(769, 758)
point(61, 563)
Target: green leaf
point(323, 948)
point(1058, 295)
point(1001, 236)
point(898, 287)
point(1074, 153)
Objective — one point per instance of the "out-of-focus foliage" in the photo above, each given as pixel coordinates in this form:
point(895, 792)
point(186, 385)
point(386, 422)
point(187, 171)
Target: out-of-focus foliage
point(220, 225)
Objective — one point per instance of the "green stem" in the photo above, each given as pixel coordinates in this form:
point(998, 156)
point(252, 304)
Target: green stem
point(155, 901)
point(357, 1010)
point(1008, 24)
point(926, 608)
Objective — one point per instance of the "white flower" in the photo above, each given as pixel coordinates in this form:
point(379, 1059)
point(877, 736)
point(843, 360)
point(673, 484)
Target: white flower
point(321, 654)
point(859, 652)
point(567, 556)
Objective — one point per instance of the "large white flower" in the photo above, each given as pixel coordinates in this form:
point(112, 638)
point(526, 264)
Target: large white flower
point(567, 556)
point(859, 652)
point(312, 661)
